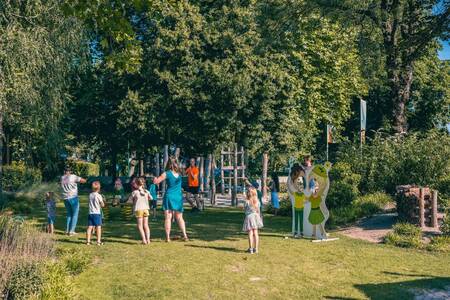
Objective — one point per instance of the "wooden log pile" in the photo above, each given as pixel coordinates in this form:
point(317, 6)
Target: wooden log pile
point(418, 205)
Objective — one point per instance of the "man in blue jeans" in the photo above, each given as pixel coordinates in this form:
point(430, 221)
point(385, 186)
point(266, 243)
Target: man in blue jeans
point(69, 185)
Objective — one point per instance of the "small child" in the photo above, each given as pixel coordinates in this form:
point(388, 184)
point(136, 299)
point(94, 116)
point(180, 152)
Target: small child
point(140, 198)
point(95, 216)
point(153, 190)
point(51, 211)
point(119, 194)
point(252, 221)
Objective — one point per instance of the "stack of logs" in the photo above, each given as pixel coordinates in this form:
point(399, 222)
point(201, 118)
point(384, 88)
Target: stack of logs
point(418, 205)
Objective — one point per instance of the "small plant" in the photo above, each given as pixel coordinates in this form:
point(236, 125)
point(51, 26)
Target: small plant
point(25, 281)
point(74, 260)
point(57, 283)
point(439, 243)
point(18, 176)
point(405, 235)
point(371, 204)
point(445, 227)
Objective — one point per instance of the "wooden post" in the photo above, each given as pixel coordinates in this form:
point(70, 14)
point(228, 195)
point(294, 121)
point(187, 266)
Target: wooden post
point(421, 207)
point(132, 164)
point(177, 153)
point(208, 171)
point(434, 209)
point(264, 175)
point(165, 159)
point(222, 175)
point(157, 165)
point(213, 180)
point(202, 173)
point(230, 162)
point(243, 169)
point(235, 176)
point(141, 167)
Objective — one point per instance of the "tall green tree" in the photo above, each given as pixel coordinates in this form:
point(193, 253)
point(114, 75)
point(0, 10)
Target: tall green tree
point(40, 51)
point(407, 29)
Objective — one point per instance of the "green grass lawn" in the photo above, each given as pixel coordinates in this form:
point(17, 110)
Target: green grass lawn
point(213, 264)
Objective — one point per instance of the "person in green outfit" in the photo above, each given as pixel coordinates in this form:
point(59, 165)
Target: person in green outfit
point(173, 197)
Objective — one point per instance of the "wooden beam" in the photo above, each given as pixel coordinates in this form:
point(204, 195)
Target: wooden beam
point(421, 208)
point(222, 177)
point(264, 175)
point(434, 210)
point(235, 175)
point(213, 181)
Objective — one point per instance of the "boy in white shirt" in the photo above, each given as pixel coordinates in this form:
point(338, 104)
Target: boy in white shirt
point(95, 216)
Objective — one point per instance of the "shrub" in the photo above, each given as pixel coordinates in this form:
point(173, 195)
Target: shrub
point(405, 235)
point(57, 283)
point(25, 281)
point(445, 226)
point(82, 168)
point(21, 244)
point(74, 260)
point(417, 158)
point(371, 204)
point(18, 176)
point(343, 216)
point(343, 187)
point(439, 243)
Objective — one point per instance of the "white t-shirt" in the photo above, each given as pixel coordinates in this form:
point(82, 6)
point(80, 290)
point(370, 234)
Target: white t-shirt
point(140, 199)
point(69, 184)
point(95, 203)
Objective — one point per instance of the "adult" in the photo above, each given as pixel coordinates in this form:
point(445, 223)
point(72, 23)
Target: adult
point(274, 189)
point(192, 173)
point(69, 185)
point(173, 197)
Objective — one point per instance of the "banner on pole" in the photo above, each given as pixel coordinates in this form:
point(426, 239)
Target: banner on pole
point(363, 114)
point(330, 134)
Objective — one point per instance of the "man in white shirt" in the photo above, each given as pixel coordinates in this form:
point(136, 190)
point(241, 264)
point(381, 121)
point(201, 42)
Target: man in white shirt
point(69, 185)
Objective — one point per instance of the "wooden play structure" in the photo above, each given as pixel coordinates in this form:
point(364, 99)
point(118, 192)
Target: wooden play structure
point(232, 161)
point(418, 205)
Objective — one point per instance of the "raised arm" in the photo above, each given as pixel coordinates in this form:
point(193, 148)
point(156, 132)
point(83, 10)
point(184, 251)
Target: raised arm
point(160, 179)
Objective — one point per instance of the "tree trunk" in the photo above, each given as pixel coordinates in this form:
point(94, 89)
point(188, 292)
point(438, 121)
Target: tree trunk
point(234, 200)
point(202, 173)
point(133, 163)
point(401, 93)
point(157, 165)
point(141, 167)
point(264, 175)
point(1, 153)
point(213, 180)
point(208, 170)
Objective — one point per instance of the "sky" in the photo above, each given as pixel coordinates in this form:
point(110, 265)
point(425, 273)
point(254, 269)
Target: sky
point(445, 52)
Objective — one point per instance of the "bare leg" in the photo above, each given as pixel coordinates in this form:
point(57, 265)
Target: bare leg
point(140, 227)
point(322, 230)
point(250, 239)
point(293, 220)
point(168, 223)
point(256, 237)
point(52, 228)
point(88, 234)
point(181, 224)
point(99, 234)
point(146, 230)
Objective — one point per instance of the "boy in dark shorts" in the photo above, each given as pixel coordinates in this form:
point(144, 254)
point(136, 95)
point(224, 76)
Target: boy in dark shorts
point(95, 214)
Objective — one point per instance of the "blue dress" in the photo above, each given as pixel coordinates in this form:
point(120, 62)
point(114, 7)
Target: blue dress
point(173, 198)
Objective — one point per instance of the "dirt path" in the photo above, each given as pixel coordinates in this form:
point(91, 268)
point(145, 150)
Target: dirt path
point(371, 229)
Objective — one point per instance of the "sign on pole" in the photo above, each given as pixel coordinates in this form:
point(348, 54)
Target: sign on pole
point(363, 117)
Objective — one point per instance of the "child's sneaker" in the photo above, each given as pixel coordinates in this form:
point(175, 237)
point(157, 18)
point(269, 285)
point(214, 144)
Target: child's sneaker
point(255, 250)
point(249, 250)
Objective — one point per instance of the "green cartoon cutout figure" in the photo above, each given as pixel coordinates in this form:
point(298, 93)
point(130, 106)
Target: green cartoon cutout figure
point(318, 212)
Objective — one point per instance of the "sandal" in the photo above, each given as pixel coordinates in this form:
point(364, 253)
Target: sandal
point(88, 243)
point(100, 243)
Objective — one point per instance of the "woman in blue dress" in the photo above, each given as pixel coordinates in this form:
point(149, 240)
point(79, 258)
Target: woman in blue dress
point(173, 197)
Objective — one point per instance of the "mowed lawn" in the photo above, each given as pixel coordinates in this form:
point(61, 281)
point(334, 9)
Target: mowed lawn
point(213, 265)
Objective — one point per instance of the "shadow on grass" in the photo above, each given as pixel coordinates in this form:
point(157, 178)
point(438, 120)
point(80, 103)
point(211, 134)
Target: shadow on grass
point(406, 289)
point(228, 249)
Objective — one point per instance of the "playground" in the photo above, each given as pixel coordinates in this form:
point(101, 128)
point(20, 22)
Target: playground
point(214, 265)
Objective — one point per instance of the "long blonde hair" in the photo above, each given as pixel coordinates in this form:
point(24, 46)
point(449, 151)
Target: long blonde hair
point(252, 197)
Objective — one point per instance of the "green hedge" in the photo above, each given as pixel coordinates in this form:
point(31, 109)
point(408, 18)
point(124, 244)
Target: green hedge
point(18, 176)
point(82, 168)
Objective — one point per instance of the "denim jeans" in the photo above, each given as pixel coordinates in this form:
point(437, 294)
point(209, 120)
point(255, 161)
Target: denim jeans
point(73, 207)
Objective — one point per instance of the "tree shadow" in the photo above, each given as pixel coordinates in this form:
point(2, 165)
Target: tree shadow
point(228, 249)
point(404, 289)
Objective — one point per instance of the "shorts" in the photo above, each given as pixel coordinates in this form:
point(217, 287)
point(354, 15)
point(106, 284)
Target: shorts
point(141, 213)
point(154, 204)
point(51, 220)
point(193, 190)
point(94, 220)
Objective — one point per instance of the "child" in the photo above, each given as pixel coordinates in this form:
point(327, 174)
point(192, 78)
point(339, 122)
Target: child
point(119, 193)
point(153, 191)
point(252, 221)
point(95, 218)
point(140, 198)
point(51, 211)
